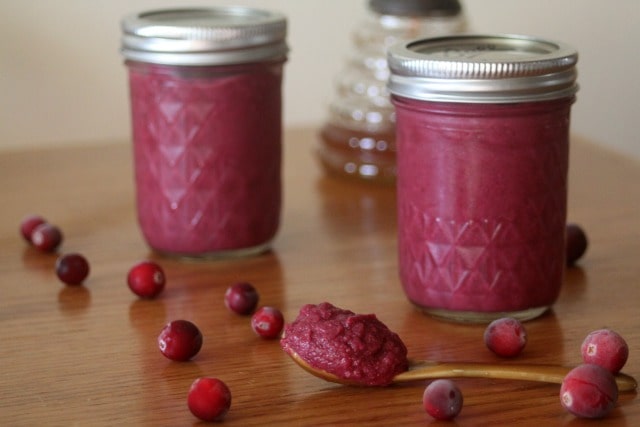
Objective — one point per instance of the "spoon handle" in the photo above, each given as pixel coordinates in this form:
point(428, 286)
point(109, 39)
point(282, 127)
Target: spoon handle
point(421, 370)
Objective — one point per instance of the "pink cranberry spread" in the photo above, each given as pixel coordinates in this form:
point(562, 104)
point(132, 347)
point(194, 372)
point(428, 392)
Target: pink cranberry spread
point(355, 347)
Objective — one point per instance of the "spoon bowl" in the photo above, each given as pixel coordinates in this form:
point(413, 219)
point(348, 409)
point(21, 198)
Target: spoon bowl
point(422, 370)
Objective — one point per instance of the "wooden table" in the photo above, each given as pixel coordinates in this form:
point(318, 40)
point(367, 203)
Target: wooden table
point(88, 356)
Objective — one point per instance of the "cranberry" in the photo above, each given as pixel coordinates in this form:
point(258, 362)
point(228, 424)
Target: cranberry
point(605, 348)
point(241, 298)
point(146, 279)
point(576, 244)
point(72, 269)
point(442, 399)
point(46, 237)
point(209, 399)
point(589, 391)
point(28, 224)
point(267, 322)
point(505, 337)
point(180, 340)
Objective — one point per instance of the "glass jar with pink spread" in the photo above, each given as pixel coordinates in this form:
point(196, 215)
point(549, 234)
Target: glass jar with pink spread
point(483, 150)
point(206, 106)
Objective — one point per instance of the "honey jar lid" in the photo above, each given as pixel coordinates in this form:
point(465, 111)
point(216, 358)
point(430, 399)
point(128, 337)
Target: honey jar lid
point(416, 7)
point(483, 68)
point(204, 36)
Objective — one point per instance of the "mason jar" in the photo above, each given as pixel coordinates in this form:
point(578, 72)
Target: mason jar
point(206, 107)
point(483, 150)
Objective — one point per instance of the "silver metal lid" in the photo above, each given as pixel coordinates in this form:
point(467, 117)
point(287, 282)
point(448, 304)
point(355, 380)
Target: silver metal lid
point(204, 36)
point(483, 69)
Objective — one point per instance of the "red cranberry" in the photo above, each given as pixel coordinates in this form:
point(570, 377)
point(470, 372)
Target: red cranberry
point(72, 269)
point(28, 224)
point(146, 279)
point(506, 337)
point(209, 399)
point(589, 391)
point(605, 348)
point(46, 237)
point(180, 340)
point(241, 298)
point(442, 399)
point(267, 322)
point(576, 243)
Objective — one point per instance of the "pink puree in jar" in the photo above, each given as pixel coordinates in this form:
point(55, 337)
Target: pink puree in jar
point(205, 89)
point(207, 155)
point(481, 219)
point(354, 347)
point(482, 173)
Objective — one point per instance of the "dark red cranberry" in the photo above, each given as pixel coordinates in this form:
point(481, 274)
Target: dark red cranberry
point(267, 322)
point(605, 348)
point(180, 340)
point(442, 399)
point(576, 244)
point(28, 224)
point(506, 337)
point(46, 237)
point(241, 298)
point(589, 391)
point(209, 399)
point(72, 268)
point(146, 279)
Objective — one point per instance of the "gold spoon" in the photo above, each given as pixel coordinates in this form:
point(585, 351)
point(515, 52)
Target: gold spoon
point(421, 370)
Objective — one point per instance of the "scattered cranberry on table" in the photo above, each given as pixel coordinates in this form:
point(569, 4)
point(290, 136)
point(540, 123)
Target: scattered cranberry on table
point(589, 391)
point(146, 279)
point(267, 322)
point(72, 268)
point(241, 298)
point(576, 244)
point(209, 399)
point(46, 237)
point(506, 337)
point(442, 399)
point(605, 348)
point(28, 224)
point(180, 340)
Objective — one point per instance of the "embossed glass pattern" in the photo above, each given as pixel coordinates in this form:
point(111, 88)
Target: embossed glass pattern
point(482, 204)
point(207, 155)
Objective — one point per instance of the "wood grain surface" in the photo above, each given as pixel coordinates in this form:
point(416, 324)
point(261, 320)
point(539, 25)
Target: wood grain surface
point(87, 356)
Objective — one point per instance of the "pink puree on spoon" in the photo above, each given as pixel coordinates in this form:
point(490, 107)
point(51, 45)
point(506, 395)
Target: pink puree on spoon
point(355, 347)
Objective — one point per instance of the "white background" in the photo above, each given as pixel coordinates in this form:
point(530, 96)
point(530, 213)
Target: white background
point(62, 81)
